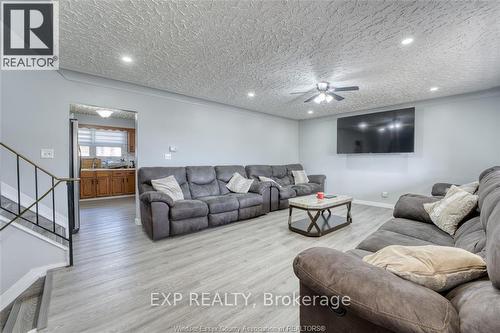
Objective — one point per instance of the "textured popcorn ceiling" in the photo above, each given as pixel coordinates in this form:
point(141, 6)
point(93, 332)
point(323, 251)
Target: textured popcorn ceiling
point(220, 50)
point(92, 111)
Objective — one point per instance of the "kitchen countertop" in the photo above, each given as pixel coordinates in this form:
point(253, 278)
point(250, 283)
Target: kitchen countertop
point(108, 169)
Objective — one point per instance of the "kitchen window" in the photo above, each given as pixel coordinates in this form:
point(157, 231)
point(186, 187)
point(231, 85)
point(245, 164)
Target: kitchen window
point(97, 142)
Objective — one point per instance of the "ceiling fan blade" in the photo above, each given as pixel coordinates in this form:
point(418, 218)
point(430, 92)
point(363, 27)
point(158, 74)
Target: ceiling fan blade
point(311, 98)
point(337, 97)
point(299, 92)
point(346, 88)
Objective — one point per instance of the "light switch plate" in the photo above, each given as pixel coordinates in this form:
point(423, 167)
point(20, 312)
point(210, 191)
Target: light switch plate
point(47, 153)
point(168, 156)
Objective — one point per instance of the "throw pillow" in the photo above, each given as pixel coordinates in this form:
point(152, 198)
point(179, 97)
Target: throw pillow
point(239, 184)
point(436, 267)
point(470, 187)
point(169, 186)
point(267, 179)
point(300, 177)
point(450, 211)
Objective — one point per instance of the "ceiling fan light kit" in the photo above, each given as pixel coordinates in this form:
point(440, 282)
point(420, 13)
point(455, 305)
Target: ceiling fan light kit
point(326, 93)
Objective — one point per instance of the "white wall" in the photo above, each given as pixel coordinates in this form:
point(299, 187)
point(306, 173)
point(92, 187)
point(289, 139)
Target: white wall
point(36, 115)
point(455, 139)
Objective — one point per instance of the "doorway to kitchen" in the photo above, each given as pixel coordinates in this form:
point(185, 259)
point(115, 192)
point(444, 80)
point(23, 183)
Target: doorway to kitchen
point(103, 154)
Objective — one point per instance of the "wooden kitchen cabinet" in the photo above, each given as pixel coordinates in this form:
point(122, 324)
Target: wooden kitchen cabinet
point(130, 182)
point(131, 140)
point(87, 184)
point(103, 183)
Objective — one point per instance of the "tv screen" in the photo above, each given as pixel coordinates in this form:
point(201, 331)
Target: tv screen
point(382, 132)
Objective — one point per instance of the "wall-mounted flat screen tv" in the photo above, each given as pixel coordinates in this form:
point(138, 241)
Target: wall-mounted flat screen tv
point(378, 133)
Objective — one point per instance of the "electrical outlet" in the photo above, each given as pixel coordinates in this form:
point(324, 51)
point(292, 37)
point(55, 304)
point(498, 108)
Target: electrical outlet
point(47, 153)
point(168, 156)
point(384, 194)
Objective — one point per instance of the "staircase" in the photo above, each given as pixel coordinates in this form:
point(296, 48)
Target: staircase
point(25, 231)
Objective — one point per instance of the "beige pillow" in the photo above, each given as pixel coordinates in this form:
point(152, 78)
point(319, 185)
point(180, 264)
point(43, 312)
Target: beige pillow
point(448, 212)
point(239, 184)
point(169, 186)
point(300, 177)
point(436, 267)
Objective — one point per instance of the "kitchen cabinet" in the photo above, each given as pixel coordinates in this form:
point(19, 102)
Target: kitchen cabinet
point(105, 183)
point(131, 140)
point(87, 184)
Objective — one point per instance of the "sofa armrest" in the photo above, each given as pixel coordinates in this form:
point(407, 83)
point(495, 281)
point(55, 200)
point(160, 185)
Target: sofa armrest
point(259, 187)
point(156, 196)
point(411, 206)
point(440, 189)
point(376, 295)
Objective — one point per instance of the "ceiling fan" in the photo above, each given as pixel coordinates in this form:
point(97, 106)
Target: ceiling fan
point(326, 93)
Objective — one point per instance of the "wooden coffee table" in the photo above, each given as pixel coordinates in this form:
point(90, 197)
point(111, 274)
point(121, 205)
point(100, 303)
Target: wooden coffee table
point(317, 224)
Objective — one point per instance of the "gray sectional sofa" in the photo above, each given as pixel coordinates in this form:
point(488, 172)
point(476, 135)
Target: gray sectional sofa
point(384, 302)
point(207, 202)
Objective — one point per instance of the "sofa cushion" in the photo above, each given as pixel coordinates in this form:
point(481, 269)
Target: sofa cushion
point(146, 174)
point(280, 175)
point(186, 209)
point(478, 306)
point(248, 199)
point(306, 189)
point(470, 236)
point(224, 173)
point(423, 231)
point(411, 206)
point(287, 192)
point(221, 203)
point(405, 232)
point(202, 181)
point(254, 171)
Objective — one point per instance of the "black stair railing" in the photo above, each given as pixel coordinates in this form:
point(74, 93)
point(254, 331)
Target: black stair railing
point(34, 207)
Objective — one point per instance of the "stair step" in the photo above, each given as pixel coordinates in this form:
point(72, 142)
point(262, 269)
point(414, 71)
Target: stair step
point(31, 216)
point(30, 310)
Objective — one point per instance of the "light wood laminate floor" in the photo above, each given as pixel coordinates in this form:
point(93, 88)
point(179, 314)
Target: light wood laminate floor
point(116, 268)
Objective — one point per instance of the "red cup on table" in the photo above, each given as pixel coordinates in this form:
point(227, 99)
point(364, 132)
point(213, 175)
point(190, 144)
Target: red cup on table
point(320, 195)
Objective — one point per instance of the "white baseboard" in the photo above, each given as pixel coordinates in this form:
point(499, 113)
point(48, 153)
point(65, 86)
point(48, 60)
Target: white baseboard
point(11, 193)
point(374, 203)
point(137, 221)
point(24, 283)
point(108, 198)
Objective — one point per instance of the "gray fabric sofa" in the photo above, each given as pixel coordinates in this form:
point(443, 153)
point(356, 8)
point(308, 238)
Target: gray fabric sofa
point(207, 202)
point(285, 188)
point(384, 302)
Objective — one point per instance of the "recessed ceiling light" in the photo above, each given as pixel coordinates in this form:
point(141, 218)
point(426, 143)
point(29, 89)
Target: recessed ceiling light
point(381, 129)
point(127, 59)
point(251, 94)
point(310, 112)
point(434, 89)
point(363, 125)
point(407, 41)
point(104, 113)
